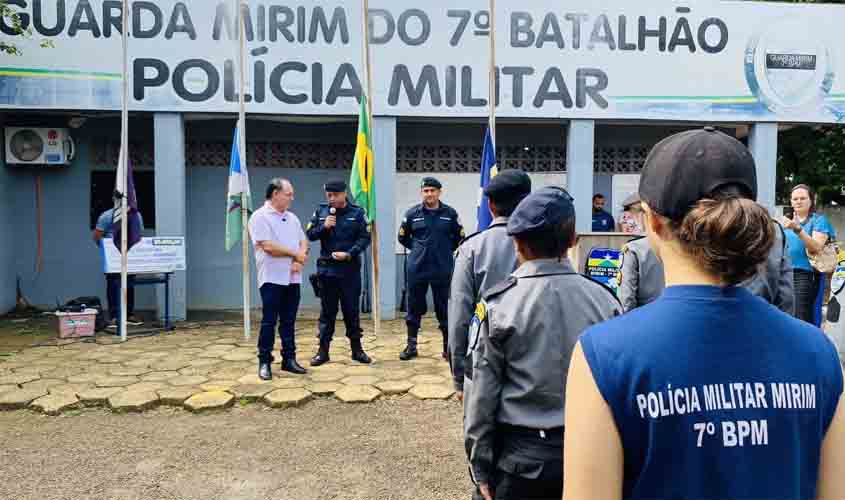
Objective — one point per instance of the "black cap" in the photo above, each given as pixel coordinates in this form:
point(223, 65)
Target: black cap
point(508, 185)
point(430, 182)
point(542, 209)
point(687, 167)
point(335, 186)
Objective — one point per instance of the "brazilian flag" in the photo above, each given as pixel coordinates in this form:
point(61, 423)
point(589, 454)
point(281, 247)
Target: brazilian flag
point(361, 181)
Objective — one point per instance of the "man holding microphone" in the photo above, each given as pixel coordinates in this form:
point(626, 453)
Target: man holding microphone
point(342, 230)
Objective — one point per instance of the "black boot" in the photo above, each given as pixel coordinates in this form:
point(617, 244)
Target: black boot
point(290, 365)
point(358, 353)
point(410, 351)
point(264, 372)
point(322, 356)
point(445, 344)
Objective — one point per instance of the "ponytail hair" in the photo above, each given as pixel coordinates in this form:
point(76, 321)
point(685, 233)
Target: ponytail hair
point(728, 234)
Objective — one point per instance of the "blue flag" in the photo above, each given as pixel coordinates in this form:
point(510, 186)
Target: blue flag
point(488, 171)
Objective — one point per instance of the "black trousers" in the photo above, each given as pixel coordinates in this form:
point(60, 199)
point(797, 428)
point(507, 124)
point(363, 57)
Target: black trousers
point(279, 304)
point(529, 466)
point(806, 292)
point(113, 294)
point(417, 306)
point(345, 290)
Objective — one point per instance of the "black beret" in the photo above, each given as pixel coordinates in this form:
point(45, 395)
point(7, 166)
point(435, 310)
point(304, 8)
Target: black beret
point(431, 182)
point(542, 209)
point(508, 184)
point(335, 186)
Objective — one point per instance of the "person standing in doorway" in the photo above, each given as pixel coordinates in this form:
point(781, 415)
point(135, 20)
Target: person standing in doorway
point(105, 230)
point(281, 250)
point(806, 232)
point(631, 221)
point(431, 230)
point(602, 220)
point(341, 228)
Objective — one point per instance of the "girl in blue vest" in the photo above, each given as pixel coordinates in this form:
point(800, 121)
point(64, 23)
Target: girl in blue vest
point(707, 392)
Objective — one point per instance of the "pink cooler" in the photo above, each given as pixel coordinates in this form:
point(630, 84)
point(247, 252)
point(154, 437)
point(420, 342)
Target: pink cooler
point(76, 324)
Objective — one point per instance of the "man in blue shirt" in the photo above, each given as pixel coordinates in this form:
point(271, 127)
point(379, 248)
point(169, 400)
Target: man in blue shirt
point(105, 230)
point(602, 221)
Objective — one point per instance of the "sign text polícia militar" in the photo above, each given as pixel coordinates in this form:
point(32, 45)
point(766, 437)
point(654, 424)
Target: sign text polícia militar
point(702, 61)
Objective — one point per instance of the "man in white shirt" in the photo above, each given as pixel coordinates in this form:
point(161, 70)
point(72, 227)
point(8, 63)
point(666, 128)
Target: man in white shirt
point(281, 250)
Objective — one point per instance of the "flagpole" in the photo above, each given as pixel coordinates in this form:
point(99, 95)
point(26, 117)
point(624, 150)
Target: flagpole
point(374, 230)
point(124, 161)
point(242, 153)
point(492, 83)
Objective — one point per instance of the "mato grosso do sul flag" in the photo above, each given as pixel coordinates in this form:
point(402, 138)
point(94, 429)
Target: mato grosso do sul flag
point(361, 179)
point(239, 195)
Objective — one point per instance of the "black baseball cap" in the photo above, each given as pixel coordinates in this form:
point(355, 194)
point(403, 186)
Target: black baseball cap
point(430, 182)
point(335, 186)
point(687, 167)
point(543, 209)
point(508, 185)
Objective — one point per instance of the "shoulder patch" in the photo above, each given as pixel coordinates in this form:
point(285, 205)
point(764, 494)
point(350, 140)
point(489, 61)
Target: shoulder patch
point(605, 288)
point(501, 287)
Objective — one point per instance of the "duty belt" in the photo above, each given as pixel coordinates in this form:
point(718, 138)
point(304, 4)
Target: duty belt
point(552, 433)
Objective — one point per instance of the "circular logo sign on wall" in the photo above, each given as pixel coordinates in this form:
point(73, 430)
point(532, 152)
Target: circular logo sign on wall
point(786, 69)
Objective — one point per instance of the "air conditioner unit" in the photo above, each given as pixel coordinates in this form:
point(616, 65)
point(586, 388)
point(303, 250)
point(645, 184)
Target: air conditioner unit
point(38, 146)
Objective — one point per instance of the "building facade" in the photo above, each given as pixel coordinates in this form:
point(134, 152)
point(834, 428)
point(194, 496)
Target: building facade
point(576, 107)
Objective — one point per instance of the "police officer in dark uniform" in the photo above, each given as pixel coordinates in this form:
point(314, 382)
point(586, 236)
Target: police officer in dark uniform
point(484, 259)
point(342, 230)
point(432, 231)
point(521, 340)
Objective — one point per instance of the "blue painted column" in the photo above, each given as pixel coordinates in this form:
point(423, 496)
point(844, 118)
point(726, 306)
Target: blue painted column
point(384, 149)
point(171, 203)
point(580, 143)
point(763, 143)
point(7, 257)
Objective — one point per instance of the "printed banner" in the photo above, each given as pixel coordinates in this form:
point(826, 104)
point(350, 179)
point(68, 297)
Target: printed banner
point(150, 255)
point(608, 59)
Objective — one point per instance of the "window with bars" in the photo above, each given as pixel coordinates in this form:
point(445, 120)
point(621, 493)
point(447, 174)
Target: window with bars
point(409, 158)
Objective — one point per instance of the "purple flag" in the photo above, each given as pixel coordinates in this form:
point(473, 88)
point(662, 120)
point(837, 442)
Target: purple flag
point(133, 223)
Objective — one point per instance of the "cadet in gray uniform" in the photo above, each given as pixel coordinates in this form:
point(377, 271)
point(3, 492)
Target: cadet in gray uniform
point(641, 277)
point(521, 340)
point(483, 259)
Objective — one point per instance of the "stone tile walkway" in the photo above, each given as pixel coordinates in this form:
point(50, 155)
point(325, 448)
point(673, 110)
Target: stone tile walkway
point(211, 367)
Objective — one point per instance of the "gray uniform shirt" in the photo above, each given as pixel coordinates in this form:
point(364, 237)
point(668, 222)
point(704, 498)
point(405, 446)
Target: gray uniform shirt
point(483, 260)
point(641, 278)
point(642, 281)
point(520, 345)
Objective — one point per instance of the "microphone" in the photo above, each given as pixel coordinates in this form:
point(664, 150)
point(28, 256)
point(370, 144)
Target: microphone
point(332, 211)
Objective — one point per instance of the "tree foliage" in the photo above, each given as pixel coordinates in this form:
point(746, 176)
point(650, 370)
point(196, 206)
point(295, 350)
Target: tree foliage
point(12, 19)
point(813, 155)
